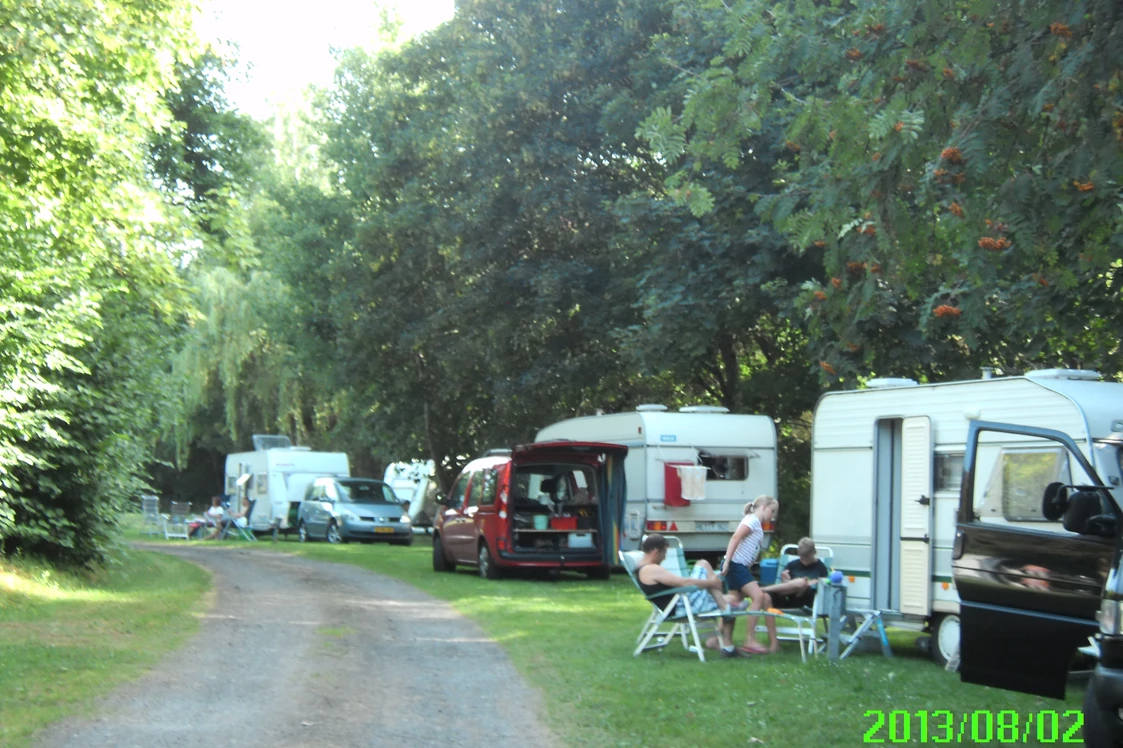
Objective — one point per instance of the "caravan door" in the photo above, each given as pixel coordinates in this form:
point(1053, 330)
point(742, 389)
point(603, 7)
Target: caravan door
point(916, 516)
point(1030, 579)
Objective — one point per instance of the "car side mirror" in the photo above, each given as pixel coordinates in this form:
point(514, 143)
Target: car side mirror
point(1054, 502)
point(1102, 526)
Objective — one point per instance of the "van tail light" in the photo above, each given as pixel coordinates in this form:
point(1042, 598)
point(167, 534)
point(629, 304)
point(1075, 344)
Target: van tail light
point(503, 499)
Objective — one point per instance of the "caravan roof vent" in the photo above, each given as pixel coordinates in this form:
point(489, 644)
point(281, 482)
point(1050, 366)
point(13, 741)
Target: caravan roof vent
point(650, 408)
point(703, 409)
point(1085, 374)
point(886, 382)
point(262, 442)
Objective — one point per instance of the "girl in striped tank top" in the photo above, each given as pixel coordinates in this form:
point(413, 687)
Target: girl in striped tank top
point(739, 557)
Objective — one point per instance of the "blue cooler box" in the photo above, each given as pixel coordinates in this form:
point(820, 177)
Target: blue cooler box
point(768, 569)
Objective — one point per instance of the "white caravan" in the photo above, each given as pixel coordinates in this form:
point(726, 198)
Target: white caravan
point(689, 473)
point(415, 482)
point(279, 473)
point(887, 464)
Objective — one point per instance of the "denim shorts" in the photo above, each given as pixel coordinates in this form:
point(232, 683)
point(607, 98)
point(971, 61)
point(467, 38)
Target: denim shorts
point(738, 576)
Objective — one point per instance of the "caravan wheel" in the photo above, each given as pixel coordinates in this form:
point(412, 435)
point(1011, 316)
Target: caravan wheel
point(945, 637)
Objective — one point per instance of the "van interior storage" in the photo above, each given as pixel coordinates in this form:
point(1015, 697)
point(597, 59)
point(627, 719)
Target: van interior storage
point(555, 508)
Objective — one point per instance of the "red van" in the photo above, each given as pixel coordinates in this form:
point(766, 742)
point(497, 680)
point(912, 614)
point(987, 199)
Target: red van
point(550, 505)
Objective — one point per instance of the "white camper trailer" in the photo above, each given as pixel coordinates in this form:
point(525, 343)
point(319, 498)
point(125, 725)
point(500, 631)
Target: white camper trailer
point(415, 482)
point(886, 469)
point(689, 473)
point(279, 473)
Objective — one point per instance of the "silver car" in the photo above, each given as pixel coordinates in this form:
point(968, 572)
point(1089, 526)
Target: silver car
point(341, 509)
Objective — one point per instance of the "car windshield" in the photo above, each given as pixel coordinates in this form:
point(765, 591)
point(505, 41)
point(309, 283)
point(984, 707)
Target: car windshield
point(366, 492)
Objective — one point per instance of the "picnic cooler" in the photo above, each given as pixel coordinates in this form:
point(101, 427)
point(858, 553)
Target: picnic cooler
point(580, 540)
point(768, 569)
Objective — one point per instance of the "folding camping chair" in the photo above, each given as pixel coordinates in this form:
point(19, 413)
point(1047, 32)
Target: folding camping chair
point(150, 507)
point(175, 522)
point(231, 527)
point(802, 621)
point(669, 619)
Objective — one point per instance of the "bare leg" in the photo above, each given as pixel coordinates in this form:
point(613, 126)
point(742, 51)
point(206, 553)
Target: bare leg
point(794, 587)
point(759, 600)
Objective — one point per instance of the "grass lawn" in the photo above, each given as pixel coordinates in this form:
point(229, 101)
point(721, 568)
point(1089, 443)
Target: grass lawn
point(573, 638)
point(66, 638)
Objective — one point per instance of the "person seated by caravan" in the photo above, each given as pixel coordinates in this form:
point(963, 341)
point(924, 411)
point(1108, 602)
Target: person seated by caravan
point(799, 579)
point(742, 551)
point(238, 518)
point(707, 597)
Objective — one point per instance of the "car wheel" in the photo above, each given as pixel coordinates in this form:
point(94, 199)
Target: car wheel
point(945, 638)
point(488, 569)
point(440, 563)
point(1100, 725)
point(302, 533)
point(332, 534)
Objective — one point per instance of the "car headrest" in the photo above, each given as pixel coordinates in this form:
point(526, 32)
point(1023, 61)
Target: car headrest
point(1082, 505)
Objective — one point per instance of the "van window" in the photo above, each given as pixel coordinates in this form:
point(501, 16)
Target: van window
point(488, 485)
point(1018, 480)
point(456, 495)
point(554, 485)
point(477, 489)
point(724, 467)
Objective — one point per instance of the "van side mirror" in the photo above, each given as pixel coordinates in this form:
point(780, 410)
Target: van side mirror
point(441, 500)
point(1054, 502)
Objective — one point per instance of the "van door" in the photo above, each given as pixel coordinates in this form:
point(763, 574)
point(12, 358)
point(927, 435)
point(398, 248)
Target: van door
point(456, 528)
point(916, 516)
point(1030, 571)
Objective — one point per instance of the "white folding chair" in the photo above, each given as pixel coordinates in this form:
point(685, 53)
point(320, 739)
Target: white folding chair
point(175, 522)
point(150, 508)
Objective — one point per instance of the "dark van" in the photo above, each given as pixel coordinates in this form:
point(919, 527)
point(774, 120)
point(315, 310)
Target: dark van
point(550, 505)
point(1032, 593)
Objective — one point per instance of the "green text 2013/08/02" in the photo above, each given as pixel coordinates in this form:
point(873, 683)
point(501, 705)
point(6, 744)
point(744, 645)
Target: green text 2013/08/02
point(980, 726)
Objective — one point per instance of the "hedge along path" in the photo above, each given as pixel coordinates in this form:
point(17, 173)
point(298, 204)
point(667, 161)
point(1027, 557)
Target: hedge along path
point(298, 652)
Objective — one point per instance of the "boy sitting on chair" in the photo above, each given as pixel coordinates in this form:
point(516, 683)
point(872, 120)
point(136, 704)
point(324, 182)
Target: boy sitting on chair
point(799, 579)
point(708, 596)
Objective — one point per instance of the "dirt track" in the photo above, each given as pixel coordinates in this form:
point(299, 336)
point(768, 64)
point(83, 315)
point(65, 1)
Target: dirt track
point(304, 653)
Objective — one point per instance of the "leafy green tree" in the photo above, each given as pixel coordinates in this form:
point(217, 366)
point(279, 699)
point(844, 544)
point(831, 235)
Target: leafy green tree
point(958, 166)
point(85, 273)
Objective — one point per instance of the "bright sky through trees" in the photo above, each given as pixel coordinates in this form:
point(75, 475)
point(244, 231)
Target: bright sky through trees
point(285, 45)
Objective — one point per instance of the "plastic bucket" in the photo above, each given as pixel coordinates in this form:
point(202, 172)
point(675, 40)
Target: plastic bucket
point(768, 571)
point(541, 521)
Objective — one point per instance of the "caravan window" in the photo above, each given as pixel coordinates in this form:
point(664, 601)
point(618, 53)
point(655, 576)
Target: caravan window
point(724, 467)
point(949, 472)
point(261, 484)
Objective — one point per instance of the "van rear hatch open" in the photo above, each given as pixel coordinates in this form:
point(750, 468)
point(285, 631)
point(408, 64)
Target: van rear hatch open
point(566, 502)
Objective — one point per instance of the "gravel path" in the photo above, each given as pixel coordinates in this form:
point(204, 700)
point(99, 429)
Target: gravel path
point(296, 652)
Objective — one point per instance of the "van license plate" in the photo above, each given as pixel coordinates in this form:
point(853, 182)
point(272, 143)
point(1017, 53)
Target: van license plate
point(711, 526)
point(384, 529)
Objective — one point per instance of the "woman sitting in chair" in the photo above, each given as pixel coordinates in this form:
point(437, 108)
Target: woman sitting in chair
point(238, 518)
